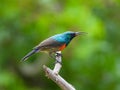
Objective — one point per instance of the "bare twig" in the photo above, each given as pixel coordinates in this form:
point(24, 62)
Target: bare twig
point(58, 64)
point(54, 74)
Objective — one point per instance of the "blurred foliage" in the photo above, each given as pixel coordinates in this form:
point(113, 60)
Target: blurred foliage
point(90, 62)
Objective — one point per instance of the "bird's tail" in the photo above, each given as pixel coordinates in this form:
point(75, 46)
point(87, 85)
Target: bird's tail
point(29, 54)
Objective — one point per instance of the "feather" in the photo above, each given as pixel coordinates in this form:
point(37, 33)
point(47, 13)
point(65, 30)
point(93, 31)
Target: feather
point(29, 54)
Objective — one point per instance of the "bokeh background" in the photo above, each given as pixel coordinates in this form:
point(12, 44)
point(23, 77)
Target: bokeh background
point(90, 62)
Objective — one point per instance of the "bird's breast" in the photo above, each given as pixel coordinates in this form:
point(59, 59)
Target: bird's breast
point(62, 47)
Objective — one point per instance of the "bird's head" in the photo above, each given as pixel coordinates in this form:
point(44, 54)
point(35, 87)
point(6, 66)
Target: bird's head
point(66, 37)
point(71, 34)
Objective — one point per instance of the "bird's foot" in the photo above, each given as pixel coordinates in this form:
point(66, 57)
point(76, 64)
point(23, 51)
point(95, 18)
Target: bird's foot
point(58, 54)
point(58, 58)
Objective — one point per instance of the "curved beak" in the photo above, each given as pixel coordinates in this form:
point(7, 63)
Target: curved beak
point(80, 33)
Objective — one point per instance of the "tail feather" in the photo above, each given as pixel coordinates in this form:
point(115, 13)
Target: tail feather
point(29, 54)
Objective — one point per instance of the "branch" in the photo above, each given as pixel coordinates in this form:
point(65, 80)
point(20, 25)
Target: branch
point(54, 74)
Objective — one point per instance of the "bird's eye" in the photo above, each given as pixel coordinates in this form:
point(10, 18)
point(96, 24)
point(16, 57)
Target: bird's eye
point(73, 34)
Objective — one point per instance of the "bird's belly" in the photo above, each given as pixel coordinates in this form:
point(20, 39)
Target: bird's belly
point(50, 49)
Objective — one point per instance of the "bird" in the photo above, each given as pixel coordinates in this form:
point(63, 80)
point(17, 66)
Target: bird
point(53, 44)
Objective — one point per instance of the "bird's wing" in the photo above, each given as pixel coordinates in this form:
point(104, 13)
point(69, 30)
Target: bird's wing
point(48, 43)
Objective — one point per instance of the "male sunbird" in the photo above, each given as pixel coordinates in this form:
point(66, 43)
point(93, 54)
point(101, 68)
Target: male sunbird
point(54, 43)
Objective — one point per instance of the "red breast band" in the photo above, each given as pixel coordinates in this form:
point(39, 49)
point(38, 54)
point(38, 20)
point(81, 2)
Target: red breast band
point(62, 47)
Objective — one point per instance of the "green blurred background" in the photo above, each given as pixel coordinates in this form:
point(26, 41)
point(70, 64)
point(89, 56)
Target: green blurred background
point(90, 62)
